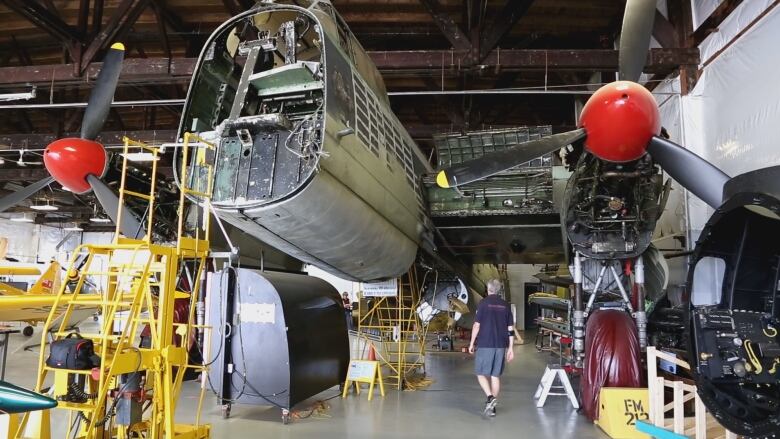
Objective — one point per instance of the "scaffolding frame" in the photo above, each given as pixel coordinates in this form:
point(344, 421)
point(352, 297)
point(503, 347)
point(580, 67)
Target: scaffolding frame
point(142, 284)
point(394, 319)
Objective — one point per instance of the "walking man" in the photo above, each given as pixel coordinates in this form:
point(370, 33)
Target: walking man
point(493, 335)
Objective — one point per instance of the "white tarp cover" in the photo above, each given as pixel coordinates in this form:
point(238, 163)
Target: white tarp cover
point(730, 118)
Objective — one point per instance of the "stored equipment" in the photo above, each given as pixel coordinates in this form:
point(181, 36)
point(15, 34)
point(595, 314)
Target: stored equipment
point(278, 338)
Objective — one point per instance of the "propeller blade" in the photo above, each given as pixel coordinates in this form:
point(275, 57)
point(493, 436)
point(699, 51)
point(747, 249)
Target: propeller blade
point(496, 162)
point(697, 175)
point(130, 226)
point(15, 198)
point(100, 99)
point(14, 399)
point(635, 38)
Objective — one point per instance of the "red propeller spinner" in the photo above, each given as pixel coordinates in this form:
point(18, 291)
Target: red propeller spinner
point(71, 160)
point(620, 119)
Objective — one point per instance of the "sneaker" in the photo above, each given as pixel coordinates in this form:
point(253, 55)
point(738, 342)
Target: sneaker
point(490, 404)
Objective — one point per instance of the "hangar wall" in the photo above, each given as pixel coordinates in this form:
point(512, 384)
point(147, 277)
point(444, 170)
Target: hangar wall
point(33, 243)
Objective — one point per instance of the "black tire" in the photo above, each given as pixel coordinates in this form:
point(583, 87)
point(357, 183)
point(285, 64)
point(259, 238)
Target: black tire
point(27, 331)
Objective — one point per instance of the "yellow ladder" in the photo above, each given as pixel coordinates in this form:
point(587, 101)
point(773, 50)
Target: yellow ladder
point(141, 280)
point(124, 192)
point(395, 319)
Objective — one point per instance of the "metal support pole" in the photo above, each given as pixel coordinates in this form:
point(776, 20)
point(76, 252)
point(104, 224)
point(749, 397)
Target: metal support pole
point(640, 315)
point(622, 289)
point(578, 321)
point(595, 291)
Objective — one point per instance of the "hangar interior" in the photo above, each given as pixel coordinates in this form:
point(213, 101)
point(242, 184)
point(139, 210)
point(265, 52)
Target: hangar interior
point(225, 217)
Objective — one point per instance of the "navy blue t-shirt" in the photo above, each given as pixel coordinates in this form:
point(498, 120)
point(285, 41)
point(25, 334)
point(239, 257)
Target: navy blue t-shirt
point(494, 317)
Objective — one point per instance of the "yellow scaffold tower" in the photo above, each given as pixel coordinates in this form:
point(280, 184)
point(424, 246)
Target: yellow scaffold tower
point(143, 348)
point(395, 321)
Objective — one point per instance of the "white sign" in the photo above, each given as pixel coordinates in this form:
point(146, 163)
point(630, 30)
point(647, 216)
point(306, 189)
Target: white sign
point(257, 312)
point(388, 288)
point(361, 370)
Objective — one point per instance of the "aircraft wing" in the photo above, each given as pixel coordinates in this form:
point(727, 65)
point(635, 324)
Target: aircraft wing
point(34, 308)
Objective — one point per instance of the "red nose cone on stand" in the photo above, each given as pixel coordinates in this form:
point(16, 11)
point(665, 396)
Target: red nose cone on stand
point(620, 118)
point(70, 160)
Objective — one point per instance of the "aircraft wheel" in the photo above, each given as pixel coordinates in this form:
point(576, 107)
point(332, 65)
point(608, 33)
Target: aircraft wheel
point(285, 416)
point(225, 411)
point(27, 331)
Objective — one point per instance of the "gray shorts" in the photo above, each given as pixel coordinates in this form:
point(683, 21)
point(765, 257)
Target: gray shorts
point(489, 361)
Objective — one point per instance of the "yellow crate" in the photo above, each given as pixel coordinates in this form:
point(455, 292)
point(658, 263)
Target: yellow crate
point(620, 409)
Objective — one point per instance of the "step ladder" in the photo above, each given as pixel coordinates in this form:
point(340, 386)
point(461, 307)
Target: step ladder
point(552, 373)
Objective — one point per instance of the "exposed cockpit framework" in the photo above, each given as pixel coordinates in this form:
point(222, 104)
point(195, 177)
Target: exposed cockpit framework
point(280, 88)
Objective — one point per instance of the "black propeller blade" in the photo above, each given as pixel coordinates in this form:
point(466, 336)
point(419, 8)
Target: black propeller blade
point(635, 37)
point(22, 194)
point(693, 172)
point(103, 93)
point(496, 162)
point(130, 226)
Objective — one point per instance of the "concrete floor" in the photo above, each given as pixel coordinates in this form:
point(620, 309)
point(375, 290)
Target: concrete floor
point(450, 408)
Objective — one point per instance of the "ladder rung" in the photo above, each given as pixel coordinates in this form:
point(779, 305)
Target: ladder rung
point(97, 302)
point(137, 194)
point(75, 406)
point(92, 336)
point(74, 371)
point(196, 193)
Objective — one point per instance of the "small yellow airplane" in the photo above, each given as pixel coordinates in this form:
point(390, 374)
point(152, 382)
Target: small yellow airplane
point(34, 304)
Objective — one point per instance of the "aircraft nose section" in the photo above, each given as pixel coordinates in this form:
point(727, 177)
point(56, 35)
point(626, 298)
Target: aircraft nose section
point(14, 399)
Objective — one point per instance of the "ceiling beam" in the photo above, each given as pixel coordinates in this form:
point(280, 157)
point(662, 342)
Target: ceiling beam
point(97, 17)
point(120, 22)
point(181, 69)
point(48, 21)
point(447, 25)
point(715, 19)
point(157, 7)
point(108, 138)
point(584, 59)
point(134, 69)
point(502, 24)
point(664, 32)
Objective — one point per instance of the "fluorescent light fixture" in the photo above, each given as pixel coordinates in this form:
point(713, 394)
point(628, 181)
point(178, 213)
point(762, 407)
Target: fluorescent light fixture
point(22, 219)
point(74, 228)
point(44, 205)
point(140, 156)
point(100, 219)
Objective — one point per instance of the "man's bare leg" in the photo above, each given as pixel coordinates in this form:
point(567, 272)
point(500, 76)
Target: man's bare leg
point(485, 384)
point(495, 386)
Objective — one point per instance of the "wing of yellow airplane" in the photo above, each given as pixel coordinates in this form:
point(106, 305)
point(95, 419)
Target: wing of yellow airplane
point(48, 283)
point(34, 308)
point(19, 271)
